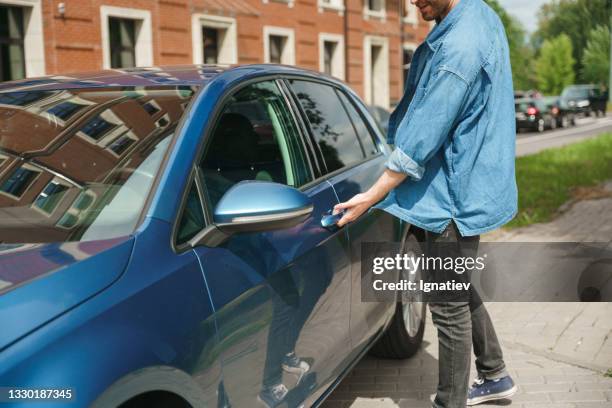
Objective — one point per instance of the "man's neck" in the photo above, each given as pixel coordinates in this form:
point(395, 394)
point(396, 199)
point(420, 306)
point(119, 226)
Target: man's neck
point(447, 10)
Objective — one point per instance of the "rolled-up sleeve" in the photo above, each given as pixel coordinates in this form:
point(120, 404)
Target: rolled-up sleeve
point(421, 132)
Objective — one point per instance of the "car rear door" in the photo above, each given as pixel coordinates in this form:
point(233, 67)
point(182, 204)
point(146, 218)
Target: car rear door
point(281, 297)
point(353, 159)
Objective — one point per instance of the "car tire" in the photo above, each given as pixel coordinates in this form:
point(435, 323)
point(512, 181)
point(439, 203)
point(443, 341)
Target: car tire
point(404, 335)
point(565, 122)
point(541, 125)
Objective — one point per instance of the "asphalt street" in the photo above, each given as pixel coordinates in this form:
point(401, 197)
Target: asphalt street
point(557, 352)
point(530, 143)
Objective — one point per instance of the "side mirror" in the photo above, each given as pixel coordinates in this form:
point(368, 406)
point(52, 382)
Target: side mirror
point(252, 206)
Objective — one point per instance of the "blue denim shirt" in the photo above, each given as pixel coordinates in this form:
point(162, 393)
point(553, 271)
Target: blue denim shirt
point(454, 128)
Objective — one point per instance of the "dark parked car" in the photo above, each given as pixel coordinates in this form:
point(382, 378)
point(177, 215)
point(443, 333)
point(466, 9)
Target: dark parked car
point(533, 114)
point(166, 241)
point(587, 100)
point(563, 117)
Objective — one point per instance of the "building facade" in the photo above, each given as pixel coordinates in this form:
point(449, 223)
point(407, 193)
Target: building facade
point(366, 43)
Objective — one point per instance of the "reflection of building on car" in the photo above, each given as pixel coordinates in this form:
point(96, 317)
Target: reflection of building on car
point(173, 235)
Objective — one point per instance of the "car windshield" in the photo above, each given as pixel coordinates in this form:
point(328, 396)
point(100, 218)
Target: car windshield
point(79, 164)
point(576, 93)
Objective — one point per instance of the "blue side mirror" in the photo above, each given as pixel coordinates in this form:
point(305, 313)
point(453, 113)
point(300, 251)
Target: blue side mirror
point(251, 206)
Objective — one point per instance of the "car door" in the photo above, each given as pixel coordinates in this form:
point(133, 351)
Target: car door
point(281, 297)
point(353, 161)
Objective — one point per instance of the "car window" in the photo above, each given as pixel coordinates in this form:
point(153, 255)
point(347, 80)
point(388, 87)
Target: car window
point(363, 132)
point(192, 219)
point(255, 138)
point(330, 124)
point(79, 164)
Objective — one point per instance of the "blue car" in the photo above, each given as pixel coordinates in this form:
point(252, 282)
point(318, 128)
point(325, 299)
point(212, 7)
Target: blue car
point(166, 239)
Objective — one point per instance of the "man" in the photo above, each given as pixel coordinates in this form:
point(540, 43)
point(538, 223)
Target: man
point(451, 174)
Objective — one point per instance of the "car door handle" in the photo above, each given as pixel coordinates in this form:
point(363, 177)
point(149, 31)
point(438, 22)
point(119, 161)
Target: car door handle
point(330, 220)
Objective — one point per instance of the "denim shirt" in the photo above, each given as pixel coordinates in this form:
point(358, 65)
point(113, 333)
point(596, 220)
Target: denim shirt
point(454, 128)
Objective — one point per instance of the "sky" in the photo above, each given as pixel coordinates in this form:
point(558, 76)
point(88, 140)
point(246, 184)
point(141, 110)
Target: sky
point(525, 11)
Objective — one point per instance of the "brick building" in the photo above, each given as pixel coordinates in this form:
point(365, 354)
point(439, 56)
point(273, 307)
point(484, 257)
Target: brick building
point(367, 43)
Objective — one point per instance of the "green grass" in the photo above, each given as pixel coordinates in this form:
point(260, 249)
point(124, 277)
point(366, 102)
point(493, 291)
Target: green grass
point(546, 179)
point(608, 373)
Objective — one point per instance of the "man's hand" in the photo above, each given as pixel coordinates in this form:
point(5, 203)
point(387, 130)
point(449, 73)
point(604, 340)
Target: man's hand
point(354, 207)
point(360, 203)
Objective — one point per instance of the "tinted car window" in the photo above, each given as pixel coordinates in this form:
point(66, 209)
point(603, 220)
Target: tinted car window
point(255, 138)
point(363, 132)
point(78, 164)
point(331, 126)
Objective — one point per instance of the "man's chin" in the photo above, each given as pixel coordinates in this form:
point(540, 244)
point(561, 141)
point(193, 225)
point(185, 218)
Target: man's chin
point(427, 17)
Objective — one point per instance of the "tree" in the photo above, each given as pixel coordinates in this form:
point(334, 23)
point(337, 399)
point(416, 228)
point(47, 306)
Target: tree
point(596, 57)
point(521, 54)
point(554, 66)
point(575, 18)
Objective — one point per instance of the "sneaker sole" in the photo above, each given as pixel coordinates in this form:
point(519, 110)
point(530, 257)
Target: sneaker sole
point(485, 398)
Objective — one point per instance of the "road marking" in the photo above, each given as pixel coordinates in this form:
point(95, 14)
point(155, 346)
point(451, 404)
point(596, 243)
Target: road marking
point(566, 132)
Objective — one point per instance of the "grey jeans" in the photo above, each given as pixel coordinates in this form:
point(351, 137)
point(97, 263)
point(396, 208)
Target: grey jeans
point(461, 325)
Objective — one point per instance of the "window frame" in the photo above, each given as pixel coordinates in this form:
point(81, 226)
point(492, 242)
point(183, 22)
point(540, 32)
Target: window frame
point(337, 63)
point(204, 144)
point(33, 36)
point(324, 173)
point(143, 34)
point(227, 42)
point(288, 50)
point(377, 14)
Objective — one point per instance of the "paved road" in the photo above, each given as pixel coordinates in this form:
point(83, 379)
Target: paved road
point(556, 352)
point(530, 143)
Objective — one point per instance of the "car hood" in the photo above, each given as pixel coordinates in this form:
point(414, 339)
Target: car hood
point(40, 281)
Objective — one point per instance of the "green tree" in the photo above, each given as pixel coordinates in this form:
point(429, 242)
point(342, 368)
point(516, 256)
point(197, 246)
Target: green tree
point(521, 54)
point(596, 57)
point(554, 66)
point(575, 18)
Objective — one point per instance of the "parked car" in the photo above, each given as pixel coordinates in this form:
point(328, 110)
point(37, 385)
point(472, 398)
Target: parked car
point(533, 114)
point(166, 241)
point(381, 115)
point(587, 100)
point(563, 117)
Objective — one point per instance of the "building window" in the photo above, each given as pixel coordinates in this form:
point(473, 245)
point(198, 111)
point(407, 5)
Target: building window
point(279, 47)
point(290, 3)
point(122, 42)
point(407, 55)
point(332, 5)
point(374, 8)
point(214, 39)
point(18, 182)
point(410, 13)
point(48, 199)
point(12, 51)
point(126, 37)
point(331, 54)
point(376, 70)
point(21, 40)
point(211, 45)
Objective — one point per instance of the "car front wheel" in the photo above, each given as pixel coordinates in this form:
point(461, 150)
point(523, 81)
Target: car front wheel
point(405, 332)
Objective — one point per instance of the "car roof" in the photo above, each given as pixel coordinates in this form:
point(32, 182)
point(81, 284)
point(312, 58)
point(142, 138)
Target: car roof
point(168, 75)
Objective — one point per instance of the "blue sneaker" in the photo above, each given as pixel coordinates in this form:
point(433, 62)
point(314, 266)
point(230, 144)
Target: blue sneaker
point(488, 390)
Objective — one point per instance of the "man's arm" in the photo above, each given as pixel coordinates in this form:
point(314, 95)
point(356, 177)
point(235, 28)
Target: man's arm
point(360, 203)
point(417, 140)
